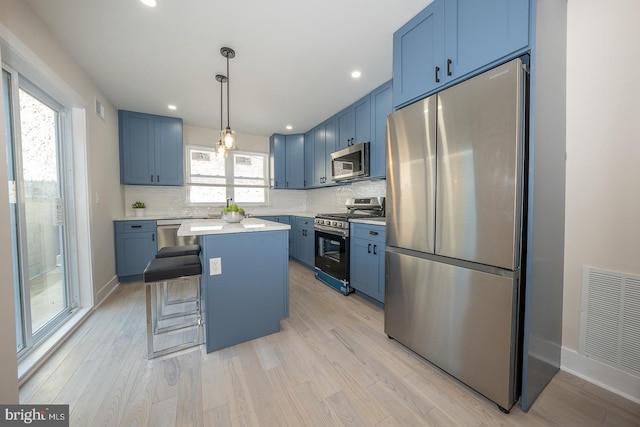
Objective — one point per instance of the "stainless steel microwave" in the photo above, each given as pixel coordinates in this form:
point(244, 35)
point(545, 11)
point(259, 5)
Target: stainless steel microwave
point(350, 163)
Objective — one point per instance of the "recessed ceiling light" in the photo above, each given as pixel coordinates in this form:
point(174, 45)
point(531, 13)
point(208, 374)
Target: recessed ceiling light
point(150, 3)
point(289, 127)
point(356, 74)
point(172, 107)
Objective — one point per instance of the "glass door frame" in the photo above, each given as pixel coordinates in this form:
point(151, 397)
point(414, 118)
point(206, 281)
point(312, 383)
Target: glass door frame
point(29, 338)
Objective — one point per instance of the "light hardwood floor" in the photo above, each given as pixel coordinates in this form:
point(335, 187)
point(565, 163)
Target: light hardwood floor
point(330, 365)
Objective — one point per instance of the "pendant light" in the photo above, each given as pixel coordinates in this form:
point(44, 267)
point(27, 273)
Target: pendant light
point(220, 148)
point(228, 135)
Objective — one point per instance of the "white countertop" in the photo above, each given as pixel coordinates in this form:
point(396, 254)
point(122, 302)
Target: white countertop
point(201, 227)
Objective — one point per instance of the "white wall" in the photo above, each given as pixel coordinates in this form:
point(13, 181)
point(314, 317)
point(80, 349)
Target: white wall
point(603, 150)
point(30, 42)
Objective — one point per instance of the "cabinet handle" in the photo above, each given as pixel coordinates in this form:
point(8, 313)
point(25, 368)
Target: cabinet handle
point(157, 178)
point(437, 76)
point(151, 178)
point(373, 233)
point(449, 67)
point(136, 226)
point(153, 237)
point(375, 249)
point(369, 248)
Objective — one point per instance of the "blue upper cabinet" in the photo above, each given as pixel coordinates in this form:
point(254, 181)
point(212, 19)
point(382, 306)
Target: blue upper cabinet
point(381, 100)
point(294, 161)
point(479, 33)
point(151, 150)
point(344, 128)
point(418, 54)
point(362, 120)
point(168, 151)
point(277, 161)
point(309, 158)
point(324, 143)
point(451, 39)
point(353, 124)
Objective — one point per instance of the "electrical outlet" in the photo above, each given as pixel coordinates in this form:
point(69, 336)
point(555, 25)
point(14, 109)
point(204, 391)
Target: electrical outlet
point(215, 266)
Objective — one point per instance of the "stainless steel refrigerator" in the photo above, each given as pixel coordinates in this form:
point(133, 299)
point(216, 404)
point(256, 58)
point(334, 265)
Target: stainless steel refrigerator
point(454, 229)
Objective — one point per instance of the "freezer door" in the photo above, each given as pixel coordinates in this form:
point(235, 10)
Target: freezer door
point(479, 163)
point(411, 162)
point(462, 320)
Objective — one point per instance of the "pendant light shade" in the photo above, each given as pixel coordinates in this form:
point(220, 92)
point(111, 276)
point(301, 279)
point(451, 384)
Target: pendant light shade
point(228, 137)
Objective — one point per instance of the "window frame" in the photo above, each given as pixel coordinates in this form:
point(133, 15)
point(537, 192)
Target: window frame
point(229, 176)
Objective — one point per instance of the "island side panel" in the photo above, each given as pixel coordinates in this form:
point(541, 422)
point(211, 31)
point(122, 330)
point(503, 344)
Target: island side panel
point(250, 296)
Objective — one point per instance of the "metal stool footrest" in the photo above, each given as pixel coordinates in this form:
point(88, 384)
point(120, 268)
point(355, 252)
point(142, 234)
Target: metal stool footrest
point(170, 331)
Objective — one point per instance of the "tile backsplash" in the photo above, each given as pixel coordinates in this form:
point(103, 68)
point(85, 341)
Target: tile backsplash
point(169, 201)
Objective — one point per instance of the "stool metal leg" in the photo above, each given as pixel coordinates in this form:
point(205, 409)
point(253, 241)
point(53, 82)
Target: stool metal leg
point(154, 295)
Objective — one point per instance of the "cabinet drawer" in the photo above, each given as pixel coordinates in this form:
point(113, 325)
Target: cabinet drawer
point(376, 233)
point(135, 226)
point(304, 222)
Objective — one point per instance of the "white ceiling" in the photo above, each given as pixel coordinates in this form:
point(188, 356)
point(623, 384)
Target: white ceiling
point(293, 61)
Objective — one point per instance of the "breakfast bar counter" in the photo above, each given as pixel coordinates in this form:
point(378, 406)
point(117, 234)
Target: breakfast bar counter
point(245, 278)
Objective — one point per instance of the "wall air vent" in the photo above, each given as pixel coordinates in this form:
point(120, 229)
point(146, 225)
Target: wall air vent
point(609, 321)
point(100, 110)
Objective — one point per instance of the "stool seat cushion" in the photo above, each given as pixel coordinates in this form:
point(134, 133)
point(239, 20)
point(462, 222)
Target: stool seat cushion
point(160, 269)
point(171, 251)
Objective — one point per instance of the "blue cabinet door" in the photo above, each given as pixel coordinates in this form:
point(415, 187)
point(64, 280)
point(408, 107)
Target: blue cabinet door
point(277, 161)
point(151, 150)
point(137, 166)
point(309, 159)
point(329, 147)
point(304, 238)
point(344, 128)
point(294, 161)
point(364, 269)
point(319, 153)
point(418, 54)
point(362, 120)
point(168, 151)
point(136, 245)
point(367, 273)
point(381, 100)
point(479, 33)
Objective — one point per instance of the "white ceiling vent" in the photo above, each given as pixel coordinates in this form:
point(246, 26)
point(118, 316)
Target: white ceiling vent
point(610, 319)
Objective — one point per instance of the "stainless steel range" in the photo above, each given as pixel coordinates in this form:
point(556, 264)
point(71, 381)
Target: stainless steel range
point(332, 240)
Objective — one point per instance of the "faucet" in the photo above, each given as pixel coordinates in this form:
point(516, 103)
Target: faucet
point(228, 200)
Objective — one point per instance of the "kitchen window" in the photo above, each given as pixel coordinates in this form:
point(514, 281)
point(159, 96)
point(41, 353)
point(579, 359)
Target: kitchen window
point(213, 178)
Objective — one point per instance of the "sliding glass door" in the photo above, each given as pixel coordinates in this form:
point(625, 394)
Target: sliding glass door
point(37, 203)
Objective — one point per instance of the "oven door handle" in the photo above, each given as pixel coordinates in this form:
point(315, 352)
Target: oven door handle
point(332, 231)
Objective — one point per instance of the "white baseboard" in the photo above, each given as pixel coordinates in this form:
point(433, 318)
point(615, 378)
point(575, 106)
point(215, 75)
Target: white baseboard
point(607, 377)
point(106, 290)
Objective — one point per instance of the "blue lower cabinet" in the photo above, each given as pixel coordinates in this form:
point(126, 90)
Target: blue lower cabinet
point(136, 245)
point(303, 240)
point(367, 273)
point(251, 294)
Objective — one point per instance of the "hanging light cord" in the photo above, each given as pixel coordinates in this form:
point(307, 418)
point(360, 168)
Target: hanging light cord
point(228, 90)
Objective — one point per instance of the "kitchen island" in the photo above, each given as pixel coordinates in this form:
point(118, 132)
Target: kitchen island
point(245, 278)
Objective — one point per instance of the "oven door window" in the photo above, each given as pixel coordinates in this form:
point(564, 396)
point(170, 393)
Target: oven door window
point(332, 254)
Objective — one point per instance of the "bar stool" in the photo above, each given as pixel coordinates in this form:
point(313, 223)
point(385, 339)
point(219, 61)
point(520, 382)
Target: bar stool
point(160, 272)
point(168, 252)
